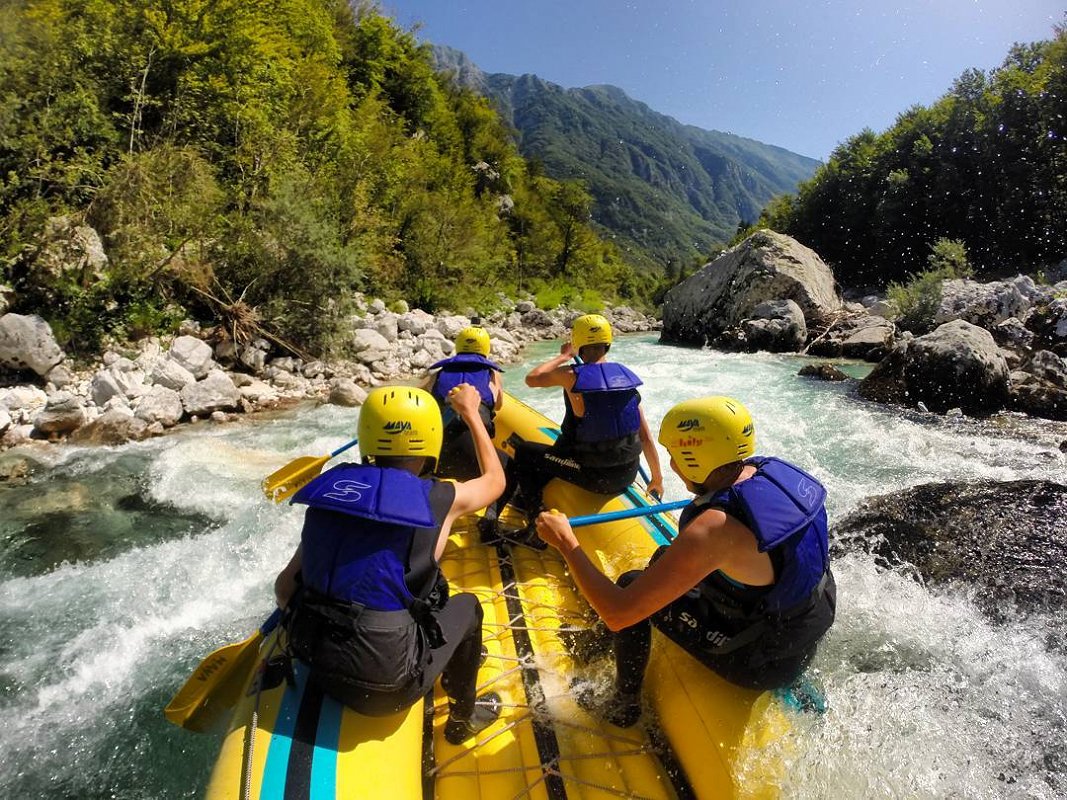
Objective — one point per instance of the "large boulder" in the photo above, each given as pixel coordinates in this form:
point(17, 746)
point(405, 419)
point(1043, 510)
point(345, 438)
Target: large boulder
point(765, 266)
point(985, 304)
point(370, 346)
point(215, 393)
point(69, 252)
point(1049, 323)
point(1007, 540)
point(27, 342)
point(956, 366)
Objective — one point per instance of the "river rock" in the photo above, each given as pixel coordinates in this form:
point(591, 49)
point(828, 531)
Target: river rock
point(765, 266)
point(170, 374)
point(370, 346)
point(27, 342)
point(162, 405)
point(983, 304)
point(62, 415)
point(822, 372)
point(776, 326)
point(215, 392)
point(1049, 324)
point(113, 427)
point(1007, 539)
point(417, 322)
point(956, 365)
point(193, 354)
point(345, 392)
point(60, 376)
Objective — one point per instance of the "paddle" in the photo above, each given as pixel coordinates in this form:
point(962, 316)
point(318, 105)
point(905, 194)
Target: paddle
point(216, 684)
point(288, 480)
point(611, 516)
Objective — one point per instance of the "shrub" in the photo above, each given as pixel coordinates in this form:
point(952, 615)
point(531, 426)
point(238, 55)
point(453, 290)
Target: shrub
point(920, 297)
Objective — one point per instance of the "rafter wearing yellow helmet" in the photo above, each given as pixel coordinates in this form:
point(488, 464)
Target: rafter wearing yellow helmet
point(370, 572)
point(603, 433)
point(746, 586)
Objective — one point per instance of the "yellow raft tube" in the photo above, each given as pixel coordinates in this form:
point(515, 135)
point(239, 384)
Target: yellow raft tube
point(288, 741)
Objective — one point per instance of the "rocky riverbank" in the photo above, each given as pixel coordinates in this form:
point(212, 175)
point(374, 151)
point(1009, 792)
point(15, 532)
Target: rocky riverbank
point(144, 388)
point(994, 346)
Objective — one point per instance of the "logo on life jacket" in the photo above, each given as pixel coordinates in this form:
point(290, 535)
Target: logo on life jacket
point(347, 491)
point(688, 424)
point(397, 427)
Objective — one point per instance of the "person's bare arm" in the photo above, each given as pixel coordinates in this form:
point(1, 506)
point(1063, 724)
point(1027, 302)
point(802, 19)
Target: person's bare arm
point(496, 384)
point(285, 583)
point(699, 550)
point(554, 372)
point(648, 447)
point(487, 487)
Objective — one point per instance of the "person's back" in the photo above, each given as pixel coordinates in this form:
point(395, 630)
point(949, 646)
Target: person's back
point(373, 617)
point(603, 432)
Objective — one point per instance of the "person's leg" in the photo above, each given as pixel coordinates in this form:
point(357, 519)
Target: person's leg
point(458, 662)
point(633, 646)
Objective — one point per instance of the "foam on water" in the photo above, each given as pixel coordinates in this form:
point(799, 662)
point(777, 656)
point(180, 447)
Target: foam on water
point(927, 699)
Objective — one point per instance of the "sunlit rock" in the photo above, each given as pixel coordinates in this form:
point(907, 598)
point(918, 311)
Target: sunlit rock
point(27, 343)
point(765, 266)
point(958, 364)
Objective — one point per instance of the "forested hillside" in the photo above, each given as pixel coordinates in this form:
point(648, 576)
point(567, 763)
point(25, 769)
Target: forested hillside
point(260, 162)
point(666, 192)
point(985, 165)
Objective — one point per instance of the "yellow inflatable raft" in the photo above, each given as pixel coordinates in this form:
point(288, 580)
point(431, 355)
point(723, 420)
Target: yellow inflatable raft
point(288, 741)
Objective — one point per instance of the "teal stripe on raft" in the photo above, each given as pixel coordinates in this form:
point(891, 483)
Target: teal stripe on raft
point(281, 740)
point(324, 760)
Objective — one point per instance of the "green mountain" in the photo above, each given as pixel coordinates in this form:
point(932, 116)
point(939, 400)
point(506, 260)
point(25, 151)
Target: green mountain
point(666, 192)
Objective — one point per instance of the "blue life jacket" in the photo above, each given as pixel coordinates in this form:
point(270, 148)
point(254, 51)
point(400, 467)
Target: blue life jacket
point(609, 392)
point(469, 368)
point(784, 507)
point(370, 534)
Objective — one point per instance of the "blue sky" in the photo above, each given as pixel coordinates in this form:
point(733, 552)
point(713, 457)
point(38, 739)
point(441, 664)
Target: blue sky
point(801, 74)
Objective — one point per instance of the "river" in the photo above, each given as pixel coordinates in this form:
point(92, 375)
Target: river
point(120, 568)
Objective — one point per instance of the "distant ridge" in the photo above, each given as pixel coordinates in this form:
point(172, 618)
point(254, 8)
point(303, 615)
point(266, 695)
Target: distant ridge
point(667, 192)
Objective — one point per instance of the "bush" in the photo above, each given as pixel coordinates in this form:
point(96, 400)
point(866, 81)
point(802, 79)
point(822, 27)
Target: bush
point(920, 298)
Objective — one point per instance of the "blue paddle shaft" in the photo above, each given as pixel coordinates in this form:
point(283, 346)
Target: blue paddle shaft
point(340, 450)
point(611, 516)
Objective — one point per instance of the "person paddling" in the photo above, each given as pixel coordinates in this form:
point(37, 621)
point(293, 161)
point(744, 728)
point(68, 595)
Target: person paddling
point(471, 364)
point(370, 610)
point(745, 588)
point(603, 433)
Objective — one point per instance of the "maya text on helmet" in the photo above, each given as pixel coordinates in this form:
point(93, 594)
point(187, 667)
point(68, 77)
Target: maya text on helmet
point(707, 433)
point(400, 422)
point(591, 329)
point(473, 339)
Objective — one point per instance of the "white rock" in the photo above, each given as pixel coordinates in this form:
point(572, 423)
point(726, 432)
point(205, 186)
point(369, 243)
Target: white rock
point(27, 342)
point(215, 392)
point(193, 354)
point(171, 375)
point(162, 405)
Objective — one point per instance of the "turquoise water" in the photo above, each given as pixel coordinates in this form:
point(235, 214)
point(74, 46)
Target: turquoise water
point(120, 568)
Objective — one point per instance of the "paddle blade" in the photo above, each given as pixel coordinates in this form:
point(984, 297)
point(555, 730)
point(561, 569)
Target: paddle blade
point(288, 480)
point(215, 686)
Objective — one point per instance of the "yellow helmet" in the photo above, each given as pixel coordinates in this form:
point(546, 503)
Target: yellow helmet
point(473, 339)
point(590, 329)
point(704, 433)
point(400, 421)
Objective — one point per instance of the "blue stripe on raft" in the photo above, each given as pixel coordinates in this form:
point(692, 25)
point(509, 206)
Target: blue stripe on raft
point(281, 739)
point(324, 760)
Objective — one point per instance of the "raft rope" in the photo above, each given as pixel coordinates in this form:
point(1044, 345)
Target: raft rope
point(538, 714)
point(250, 739)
